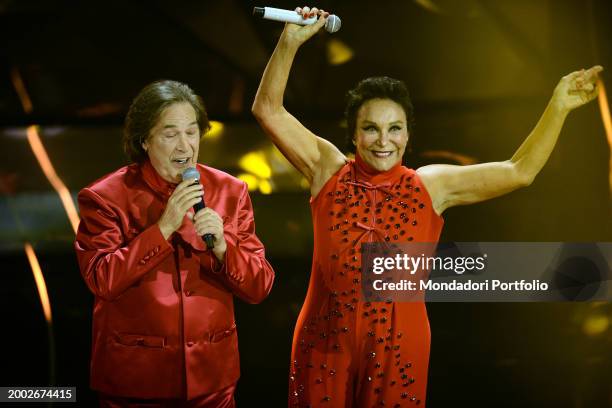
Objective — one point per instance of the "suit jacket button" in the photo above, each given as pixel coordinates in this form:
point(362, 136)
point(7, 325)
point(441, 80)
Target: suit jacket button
point(189, 343)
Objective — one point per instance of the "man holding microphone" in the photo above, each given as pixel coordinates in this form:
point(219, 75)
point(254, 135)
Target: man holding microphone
point(164, 332)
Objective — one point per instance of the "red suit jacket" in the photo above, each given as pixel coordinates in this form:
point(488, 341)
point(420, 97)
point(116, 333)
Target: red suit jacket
point(163, 319)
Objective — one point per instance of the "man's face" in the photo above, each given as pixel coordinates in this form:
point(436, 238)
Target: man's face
point(174, 141)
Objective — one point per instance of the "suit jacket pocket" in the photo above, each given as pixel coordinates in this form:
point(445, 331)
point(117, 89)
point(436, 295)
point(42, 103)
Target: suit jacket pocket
point(141, 340)
point(221, 334)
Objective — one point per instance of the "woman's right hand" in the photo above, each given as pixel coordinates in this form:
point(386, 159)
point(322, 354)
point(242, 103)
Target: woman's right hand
point(185, 196)
point(297, 34)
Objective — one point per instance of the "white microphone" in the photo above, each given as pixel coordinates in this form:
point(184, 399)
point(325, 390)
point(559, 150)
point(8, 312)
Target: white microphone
point(332, 24)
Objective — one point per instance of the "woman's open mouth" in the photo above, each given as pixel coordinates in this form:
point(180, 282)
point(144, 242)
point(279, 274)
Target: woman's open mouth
point(381, 154)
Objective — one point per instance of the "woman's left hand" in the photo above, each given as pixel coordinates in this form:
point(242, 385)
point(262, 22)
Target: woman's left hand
point(576, 89)
point(207, 221)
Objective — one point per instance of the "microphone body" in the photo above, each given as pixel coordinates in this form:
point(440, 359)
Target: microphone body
point(332, 24)
point(189, 173)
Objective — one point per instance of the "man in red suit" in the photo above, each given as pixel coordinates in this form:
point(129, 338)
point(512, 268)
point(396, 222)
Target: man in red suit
point(163, 321)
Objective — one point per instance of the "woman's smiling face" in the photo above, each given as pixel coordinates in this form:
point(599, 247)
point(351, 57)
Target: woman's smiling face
point(381, 134)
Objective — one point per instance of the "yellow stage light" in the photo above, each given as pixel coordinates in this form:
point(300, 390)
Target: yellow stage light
point(216, 129)
point(250, 179)
point(265, 187)
point(596, 324)
point(338, 52)
point(256, 163)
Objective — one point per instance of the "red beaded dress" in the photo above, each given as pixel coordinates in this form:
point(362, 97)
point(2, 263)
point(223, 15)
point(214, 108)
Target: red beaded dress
point(346, 352)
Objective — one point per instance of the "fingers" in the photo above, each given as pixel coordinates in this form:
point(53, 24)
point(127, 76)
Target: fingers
point(209, 227)
point(297, 34)
point(580, 84)
point(207, 213)
point(184, 197)
point(182, 200)
point(304, 12)
point(208, 221)
point(183, 189)
point(591, 73)
point(189, 202)
point(318, 12)
point(181, 209)
point(321, 22)
point(313, 28)
point(593, 93)
point(307, 12)
point(184, 184)
point(584, 76)
point(187, 194)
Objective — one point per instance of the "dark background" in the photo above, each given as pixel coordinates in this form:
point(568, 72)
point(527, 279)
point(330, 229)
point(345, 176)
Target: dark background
point(480, 73)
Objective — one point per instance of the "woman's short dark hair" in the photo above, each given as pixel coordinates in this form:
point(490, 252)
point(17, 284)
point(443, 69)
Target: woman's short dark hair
point(376, 88)
point(148, 106)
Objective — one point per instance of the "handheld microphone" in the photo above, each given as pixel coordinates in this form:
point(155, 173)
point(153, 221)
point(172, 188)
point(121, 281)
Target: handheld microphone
point(193, 173)
point(332, 24)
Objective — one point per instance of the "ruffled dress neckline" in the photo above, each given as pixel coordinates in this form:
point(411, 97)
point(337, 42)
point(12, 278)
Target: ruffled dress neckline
point(365, 172)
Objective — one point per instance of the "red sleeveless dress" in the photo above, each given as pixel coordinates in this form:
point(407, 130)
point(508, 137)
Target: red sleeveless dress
point(349, 353)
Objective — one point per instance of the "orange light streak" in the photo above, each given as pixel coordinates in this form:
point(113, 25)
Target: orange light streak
point(56, 182)
point(21, 90)
point(43, 159)
point(41, 154)
point(604, 109)
point(40, 281)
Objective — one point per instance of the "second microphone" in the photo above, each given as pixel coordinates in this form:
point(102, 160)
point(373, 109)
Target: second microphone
point(193, 173)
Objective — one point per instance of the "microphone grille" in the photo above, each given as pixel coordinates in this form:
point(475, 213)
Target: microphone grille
point(190, 173)
point(333, 23)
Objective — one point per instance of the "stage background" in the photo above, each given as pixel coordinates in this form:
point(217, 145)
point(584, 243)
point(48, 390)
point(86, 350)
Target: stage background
point(480, 74)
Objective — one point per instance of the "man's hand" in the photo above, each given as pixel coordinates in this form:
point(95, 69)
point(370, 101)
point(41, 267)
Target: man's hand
point(207, 221)
point(576, 89)
point(185, 196)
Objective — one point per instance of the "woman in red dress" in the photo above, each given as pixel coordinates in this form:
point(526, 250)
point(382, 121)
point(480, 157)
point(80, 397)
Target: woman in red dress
point(349, 353)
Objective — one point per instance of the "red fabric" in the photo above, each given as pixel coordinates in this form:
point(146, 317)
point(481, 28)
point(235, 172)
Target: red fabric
point(163, 319)
point(349, 353)
point(220, 399)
